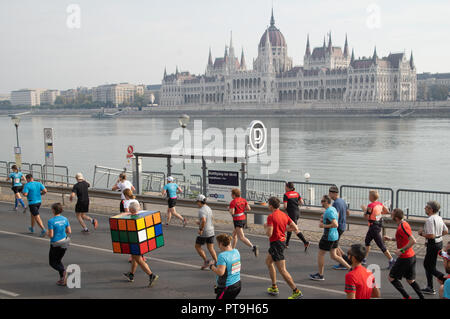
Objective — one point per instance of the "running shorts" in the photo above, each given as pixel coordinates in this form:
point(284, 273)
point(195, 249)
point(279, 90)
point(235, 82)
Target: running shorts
point(17, 189)
point(204, 240)
point(404, 267)
point(172, 202)
point(327, 245)
point(276, 250)
point(239, 223)
point(34, 209)
point(229, 292)
point(82, 207)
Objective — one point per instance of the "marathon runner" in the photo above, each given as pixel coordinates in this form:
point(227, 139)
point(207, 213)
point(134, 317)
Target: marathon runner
point(121, 185)
point(205, 232)
point(80, 190)
point(405, 265)
point(58, 232)
point(359, 281)
point(16, 178)
point(227, 269)
point(238, 207)
point(292, 200)
point(330, 238)
point(341, 208)
point(276, 226)
point(171, 189)
point(373, 213)
point(444, 290)
point(34, 191)
point(137, 260)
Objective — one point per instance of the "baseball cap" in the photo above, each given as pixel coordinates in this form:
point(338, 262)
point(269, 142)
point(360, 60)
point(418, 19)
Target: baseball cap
point(201, 198)
point(170, 179)
point(334, 189)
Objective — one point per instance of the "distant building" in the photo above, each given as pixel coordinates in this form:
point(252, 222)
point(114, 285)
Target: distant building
point(49, 97)
point(427, 83)
point(152, 90)
point(117, 94)
point(329, 73)
point(431, 79)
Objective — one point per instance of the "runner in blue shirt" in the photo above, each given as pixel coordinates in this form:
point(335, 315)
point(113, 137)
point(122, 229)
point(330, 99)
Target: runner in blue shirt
point(16, 178)
point(171, 189)
point(228, 269)
point(58, 230)
point(33, 191)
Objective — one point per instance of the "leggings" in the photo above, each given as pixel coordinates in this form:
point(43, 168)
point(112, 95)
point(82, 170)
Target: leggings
point(55, 256)
point(430, 262)
point(229, 292)
point(374, 233)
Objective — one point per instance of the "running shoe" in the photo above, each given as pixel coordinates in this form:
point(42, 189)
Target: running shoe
point(205, 265)
point(14, 209)
point(24, 210)
point(316, 277)
point(42, 234)
point(296, 295)
point(429, 291)
point(152, 279)
point(256, 250)
point(129, 276)
point(307, 246)
point(61, 282)
point(95, 223)
point(85, 231)
point(391, 264)
point(339, 267)
point(273, 291)
point(31, 230)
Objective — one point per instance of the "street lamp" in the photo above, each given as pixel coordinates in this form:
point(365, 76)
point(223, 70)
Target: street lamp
point(17, 152)
point(16, 121)
point(183, 120)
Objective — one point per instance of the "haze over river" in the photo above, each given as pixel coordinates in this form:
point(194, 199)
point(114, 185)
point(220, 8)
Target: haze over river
point(397, 153)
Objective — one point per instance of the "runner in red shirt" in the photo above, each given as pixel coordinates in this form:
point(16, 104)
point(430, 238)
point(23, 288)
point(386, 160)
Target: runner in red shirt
point(405, 265)
point(359, 282)
point(276, 226)
point(238, 207)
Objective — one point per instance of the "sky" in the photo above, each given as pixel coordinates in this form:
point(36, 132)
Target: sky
point(51, 44)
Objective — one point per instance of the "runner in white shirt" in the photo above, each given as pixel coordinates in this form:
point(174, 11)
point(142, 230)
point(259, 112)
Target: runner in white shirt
point(433, 231)
point(123, 184)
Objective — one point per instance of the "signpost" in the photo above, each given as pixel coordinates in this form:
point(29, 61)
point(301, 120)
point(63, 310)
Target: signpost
point(18, 156)
point(48, 148)
point(220, 184)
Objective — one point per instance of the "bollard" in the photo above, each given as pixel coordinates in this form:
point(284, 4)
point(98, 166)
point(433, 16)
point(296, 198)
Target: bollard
point(258, 219)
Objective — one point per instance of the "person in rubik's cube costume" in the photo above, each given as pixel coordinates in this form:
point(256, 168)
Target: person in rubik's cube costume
point(137, 233)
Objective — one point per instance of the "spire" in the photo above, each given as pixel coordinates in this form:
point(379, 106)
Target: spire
point(176, 72)
point(353, 57)
point(210, 61)
point(375, 56)
point(330, 46)
point(308, 48)
point(243, 65)
point(324, 46)
point(226, 52)
point(231, 45)
point(165, 72)
point(272, 19)
point(346, 46)
point(411, 61)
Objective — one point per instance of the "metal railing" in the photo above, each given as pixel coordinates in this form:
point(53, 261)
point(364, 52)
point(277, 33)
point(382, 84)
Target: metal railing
point(40, 172)
point(355, 196)
point(413, 201)
point(105, 177)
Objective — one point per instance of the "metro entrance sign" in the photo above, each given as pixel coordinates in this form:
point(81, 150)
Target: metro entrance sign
point(48, 147)
point(220, 184)
point(130, 151)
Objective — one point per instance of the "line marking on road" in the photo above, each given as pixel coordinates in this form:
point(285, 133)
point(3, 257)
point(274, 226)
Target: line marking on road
point(8, 293)
point(172, 262)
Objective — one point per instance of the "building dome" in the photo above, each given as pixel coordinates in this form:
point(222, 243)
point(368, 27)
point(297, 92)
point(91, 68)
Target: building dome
point(275, 36)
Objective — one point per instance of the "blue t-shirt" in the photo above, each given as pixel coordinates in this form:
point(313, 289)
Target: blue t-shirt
point(33, 189)
point(59, 225)
point(171, 189)
point(341, 208)
point(16, 179)
point(232, 260)
point(447, 289)
point(331, 234)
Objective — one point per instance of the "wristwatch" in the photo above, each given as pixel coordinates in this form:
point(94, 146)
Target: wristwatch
point(402, 251)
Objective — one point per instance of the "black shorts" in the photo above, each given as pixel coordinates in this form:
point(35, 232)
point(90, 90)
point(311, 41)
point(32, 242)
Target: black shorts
point(340, 232)
point(17, 189)
point(374, 233)
point(327, 245)
point(295, 215)
point(204, 240)
point(34, 209)
point(404, 267)
point(276, 250)
point(239, 223)
point(122, 208)
point(172, 202)
point(229, 292)
point(82, 207)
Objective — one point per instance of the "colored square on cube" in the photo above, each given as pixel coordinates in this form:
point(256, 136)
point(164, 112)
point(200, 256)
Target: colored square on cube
point(136, 234)
point(142, 235)
point(131, 225)
point(116, 248)
point(159, 241)
point(113, 224)
point(133, 237)
point(158, 230)
point(150, 232)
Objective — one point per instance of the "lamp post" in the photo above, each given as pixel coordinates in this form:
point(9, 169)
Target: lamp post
point(183, 120)
point(17, 151)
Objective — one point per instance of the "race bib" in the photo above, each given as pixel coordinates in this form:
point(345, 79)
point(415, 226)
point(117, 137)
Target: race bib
point(236, 267)
point(16, 180)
